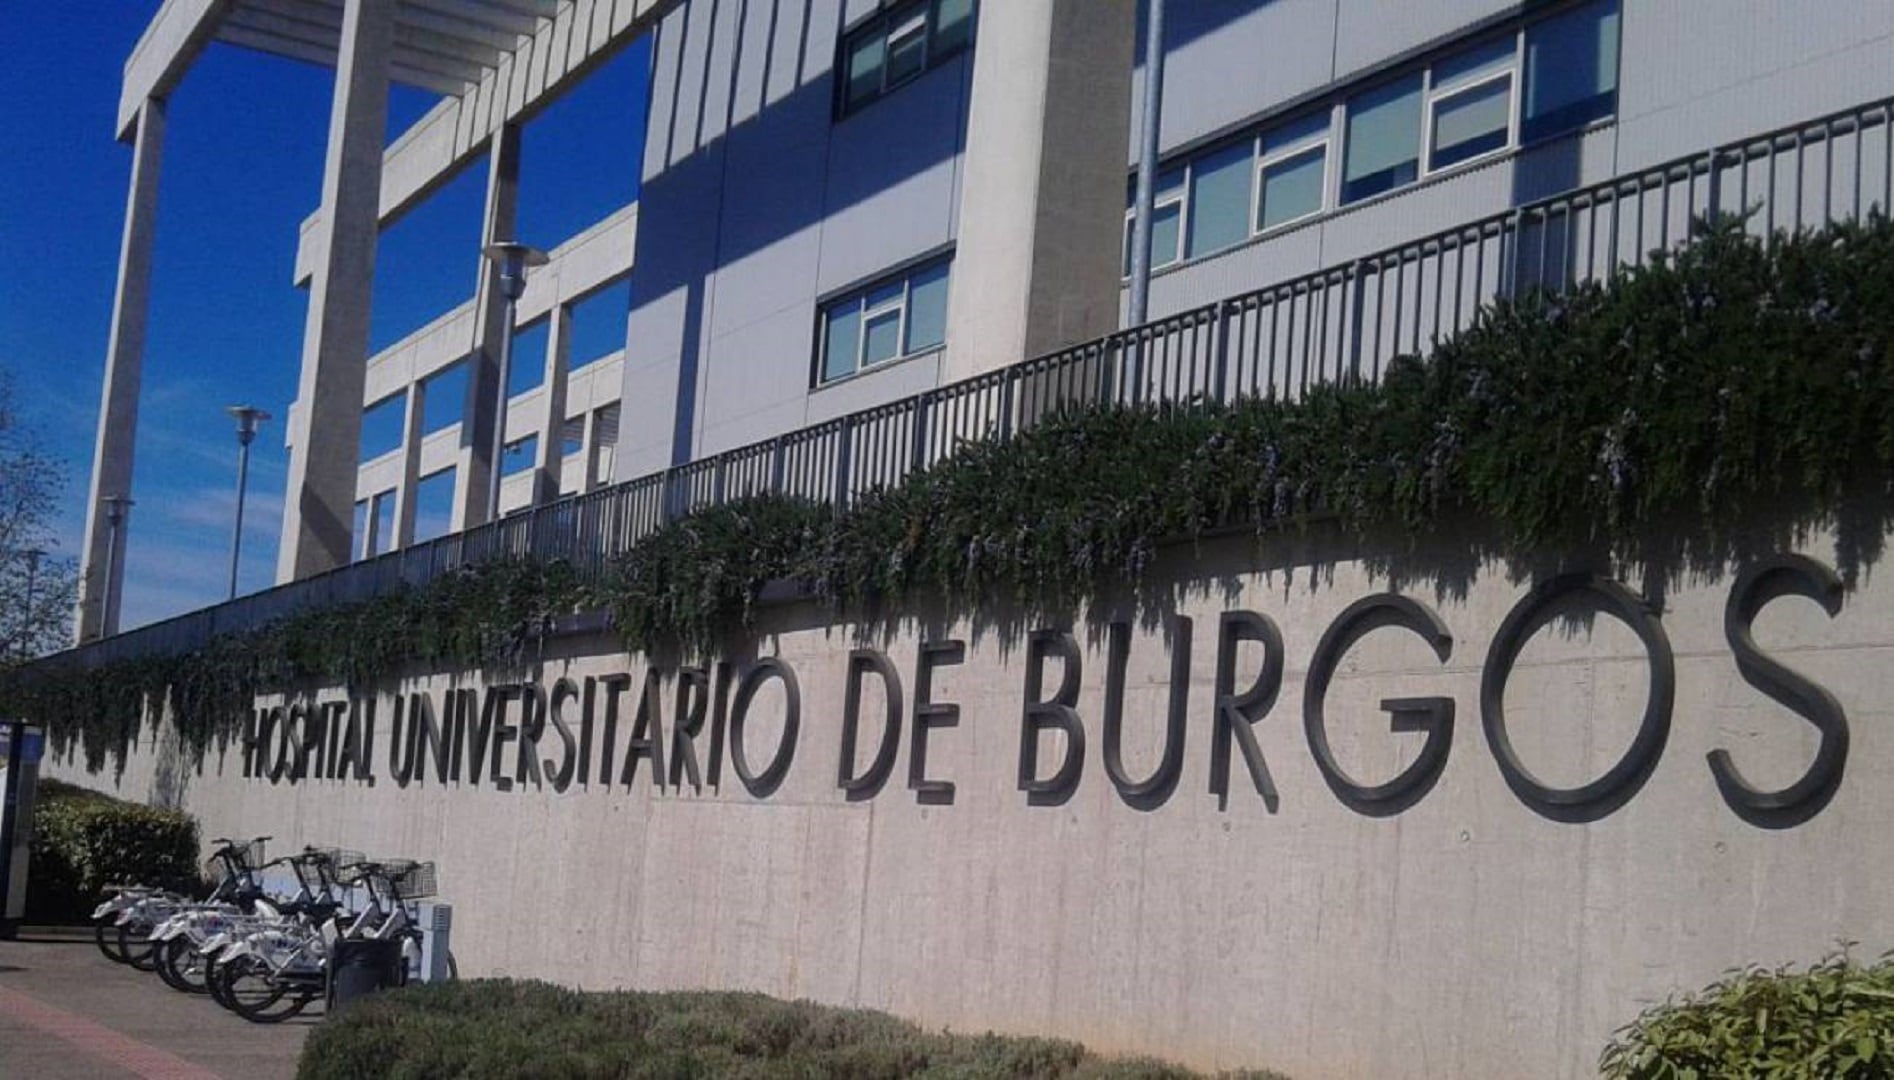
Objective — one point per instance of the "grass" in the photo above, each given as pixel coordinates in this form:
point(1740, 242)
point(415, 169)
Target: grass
point(510, 1028)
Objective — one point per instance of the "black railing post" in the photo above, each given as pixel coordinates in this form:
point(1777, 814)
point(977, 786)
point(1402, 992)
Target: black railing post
point(917, 452)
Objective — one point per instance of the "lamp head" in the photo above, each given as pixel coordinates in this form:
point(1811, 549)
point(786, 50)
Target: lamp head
point(248, 418)
point(513, 260)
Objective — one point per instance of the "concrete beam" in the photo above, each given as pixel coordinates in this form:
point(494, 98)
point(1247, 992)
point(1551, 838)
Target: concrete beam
point(165, 51)
point(104, 546)
point(318, 515)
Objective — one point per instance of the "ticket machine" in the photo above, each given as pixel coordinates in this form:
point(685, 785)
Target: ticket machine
point(21, 746)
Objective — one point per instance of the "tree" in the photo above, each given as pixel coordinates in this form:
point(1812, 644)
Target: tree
point(37, 584)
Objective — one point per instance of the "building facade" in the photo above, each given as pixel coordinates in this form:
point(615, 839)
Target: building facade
point(844, 203)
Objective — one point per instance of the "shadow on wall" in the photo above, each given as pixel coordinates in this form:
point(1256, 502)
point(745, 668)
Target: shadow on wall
point(742, 154)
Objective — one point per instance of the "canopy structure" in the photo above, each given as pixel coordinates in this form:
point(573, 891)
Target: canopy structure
point(493, 62)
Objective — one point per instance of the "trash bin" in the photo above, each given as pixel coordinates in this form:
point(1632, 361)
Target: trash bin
point(359, 968)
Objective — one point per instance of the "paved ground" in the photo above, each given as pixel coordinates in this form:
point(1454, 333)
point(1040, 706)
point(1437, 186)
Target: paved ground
point(68, 1012)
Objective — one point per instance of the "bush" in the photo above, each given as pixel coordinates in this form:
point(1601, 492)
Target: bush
point(508, 1028)
point(84, 841)
point(1835, 1019)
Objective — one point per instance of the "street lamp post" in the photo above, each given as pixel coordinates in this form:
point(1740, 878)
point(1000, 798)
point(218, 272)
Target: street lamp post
point(117, 509)
point(513, 260)
point(248, 418)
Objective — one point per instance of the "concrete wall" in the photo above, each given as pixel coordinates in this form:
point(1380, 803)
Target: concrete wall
point(755, 203)
point(1466, 934)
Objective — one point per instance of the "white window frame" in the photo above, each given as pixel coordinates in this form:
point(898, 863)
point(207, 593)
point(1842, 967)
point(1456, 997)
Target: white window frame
point(1433, 95)
point(1159, 202)
point(921, 24)
point(1325, 141)
point(901, 304)
point(896, 305)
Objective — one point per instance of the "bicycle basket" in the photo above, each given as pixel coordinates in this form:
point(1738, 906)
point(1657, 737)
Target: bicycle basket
point(412, 880)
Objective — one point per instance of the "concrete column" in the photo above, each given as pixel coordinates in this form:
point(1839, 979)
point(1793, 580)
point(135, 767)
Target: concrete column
point(590, 480)
point(97, 613)
point(411, 421)
point(546, 477)
point(318, 510)
point(483, 366)
point(1042, 204)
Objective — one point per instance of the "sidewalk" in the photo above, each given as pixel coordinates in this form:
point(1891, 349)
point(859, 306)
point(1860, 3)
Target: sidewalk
point(68, 1012)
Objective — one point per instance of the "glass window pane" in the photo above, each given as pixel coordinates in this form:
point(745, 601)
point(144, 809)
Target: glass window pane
point(384, 522)
point(907, 49)
point(518, 456)
point(927, 308)
point(598, 324)
point(1166, 229)
point(1292, 187)
point(446, 399)
point(359, 537)
point(844, 339)
point(953, 25)
point(1472, 122)
point(1571, 70)
point(528, 363)
point(1486, 59)
point(864, 68)
point(881, 338)
point(382, 425)
point(1384, 129)
point(1306, 129)
point(884, 295)
point(434, 505)
point(1220, 199)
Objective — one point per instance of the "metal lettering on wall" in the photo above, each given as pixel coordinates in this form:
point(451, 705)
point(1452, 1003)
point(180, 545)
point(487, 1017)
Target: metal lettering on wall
point(566, 733)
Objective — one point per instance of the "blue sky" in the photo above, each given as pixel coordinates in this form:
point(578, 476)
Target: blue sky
point(242, 168)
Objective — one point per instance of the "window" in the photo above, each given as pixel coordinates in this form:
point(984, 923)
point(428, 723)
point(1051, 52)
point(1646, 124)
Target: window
point(1384, 127)
point(1220, 199)
point(1167, 219)
point(896, 46)
point(445, 398)
point(604, 441)
point(519, 456)
point(1571, 70)
point(572, 436)
point(1470, 105)
point(1292, 172)
point(886, 321)
point(375, 525)
point(382, 425)
point(434, 505)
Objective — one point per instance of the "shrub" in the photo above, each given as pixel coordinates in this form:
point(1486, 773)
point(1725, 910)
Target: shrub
point(83, 842)
point(1835, 1019)
point(508, 1028)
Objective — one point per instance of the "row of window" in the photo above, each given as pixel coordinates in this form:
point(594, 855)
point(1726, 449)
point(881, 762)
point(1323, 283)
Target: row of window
point(1457, 109)
point(896, 46)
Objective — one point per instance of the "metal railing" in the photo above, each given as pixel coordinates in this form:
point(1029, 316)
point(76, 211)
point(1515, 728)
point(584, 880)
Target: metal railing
point(1342, 323)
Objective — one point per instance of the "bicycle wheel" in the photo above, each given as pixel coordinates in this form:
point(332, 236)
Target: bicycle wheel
point(139, 951)
point(216, 981)
point(162, 956)
point(254, 993)
point(181, 965)
point(106, 935)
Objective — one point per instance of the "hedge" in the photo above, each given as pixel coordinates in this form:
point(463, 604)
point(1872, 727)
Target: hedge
point(509, 1028)
point(83, 842)
point(1833, 1019)
point(1653, 420)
